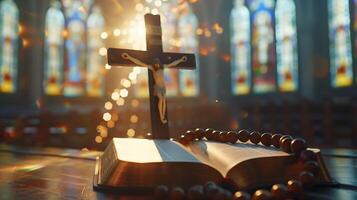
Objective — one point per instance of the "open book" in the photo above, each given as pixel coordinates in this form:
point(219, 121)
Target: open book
point(142, 164)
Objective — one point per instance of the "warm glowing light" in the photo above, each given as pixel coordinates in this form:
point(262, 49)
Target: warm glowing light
point(134, 119)
point(104, 35)
point(108, 67)
point(199, 31)
point(125, 83)
point(103, 51)
point(115, 96)
point(116, 32)
point(158, 3)
point(107, 116)
point(136, 70)
point(132, 76)
point(120, 102)
point(139, 7)
point(154, 11)
point(124, 92)
point(134, 103)
point(130, 132)
point(108, 105)
point(98, 139)
point(149, 1)
point(25, 43)
point(110, 124)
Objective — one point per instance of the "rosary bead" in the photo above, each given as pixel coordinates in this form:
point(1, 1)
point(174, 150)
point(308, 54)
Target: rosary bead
point(241, 196)
point(279, 191)
point(190, 135)
point(307, 179)
point(298, 145)
point(208, 133)
point(223, 137)
point(177, 193)
point(243, 135)
point(285, 145)
point(307, 155)
point(215, 135)
point(255, 137)
point(183, 140)
point(283, 137)
point(275, 140)
point(161, 192)
point(262, 195)
point(295, 187)
point(265, 139)
point(199, 133)
point(232, 137)
point(312, 167)
point(210, 189)
point(195, 192)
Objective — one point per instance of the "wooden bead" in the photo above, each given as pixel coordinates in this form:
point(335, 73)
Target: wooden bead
point(254, 137)
point(183, 140)
point(243, 135)
point(262, 195)
point(199, 133)
point(275, 140)
point(223, 137)
point(222, 194)
point(232, 137)
point(307, 179)
point(285, 145)
point(210, 189)
point(190, 135)
point(161, 192)
point(307, 155)
point(298, 145)
point(279, 191)
point(195, 193)
point(208, 133)
point(295, 187)
point(312, 167)
point(265, 139)
point(283, 137)
point(177, 193)
point(215, 136)
point(241, 196)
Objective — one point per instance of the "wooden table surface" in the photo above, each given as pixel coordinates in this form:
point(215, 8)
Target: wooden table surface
point(49, 173)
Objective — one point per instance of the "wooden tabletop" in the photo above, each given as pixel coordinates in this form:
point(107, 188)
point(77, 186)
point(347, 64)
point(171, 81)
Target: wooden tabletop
point(49, 173)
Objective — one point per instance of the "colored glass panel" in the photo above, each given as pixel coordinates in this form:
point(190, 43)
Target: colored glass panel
point(240, 49)
point(187, 25)
point(286, 45)
point(340, 43)
point(96, 62)
point(54, 43)
point(76, 51)
point(9, 34)
point(263, 45)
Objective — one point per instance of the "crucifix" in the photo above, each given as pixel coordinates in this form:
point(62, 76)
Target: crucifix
point(156, 61)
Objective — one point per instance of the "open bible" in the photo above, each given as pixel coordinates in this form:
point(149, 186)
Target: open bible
point(133, 165)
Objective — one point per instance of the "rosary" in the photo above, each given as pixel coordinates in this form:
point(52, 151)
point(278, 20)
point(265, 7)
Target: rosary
point(294, 189)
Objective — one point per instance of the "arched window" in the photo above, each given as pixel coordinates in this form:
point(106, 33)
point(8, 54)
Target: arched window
point(54, 43)
point(95, 62)
point(340, 43)
point(263, 45)
point(9, 35)
point(240, 49)
point(286, 45)
point(169, 37)
point(74, 73)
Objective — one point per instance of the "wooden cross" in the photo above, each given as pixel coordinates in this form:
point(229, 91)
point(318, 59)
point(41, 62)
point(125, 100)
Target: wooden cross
point(156, 60)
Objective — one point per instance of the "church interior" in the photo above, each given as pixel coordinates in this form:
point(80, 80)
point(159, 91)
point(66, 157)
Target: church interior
point(274, 66)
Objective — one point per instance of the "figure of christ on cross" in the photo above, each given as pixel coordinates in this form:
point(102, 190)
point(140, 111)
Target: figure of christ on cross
point(157, 69)
point(156, 61)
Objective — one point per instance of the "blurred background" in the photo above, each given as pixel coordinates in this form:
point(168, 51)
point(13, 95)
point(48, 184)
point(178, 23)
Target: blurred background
point(278, 66)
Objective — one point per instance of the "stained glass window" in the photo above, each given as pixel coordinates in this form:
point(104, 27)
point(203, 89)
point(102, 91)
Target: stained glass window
point(96, 62)
point(240, 49)
point(169, 37)
point(263, 48)
point(9, 33)
point(286, 45)
point(76, 49)
point(54, 43)
point(340, 43)
point(187, 25)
